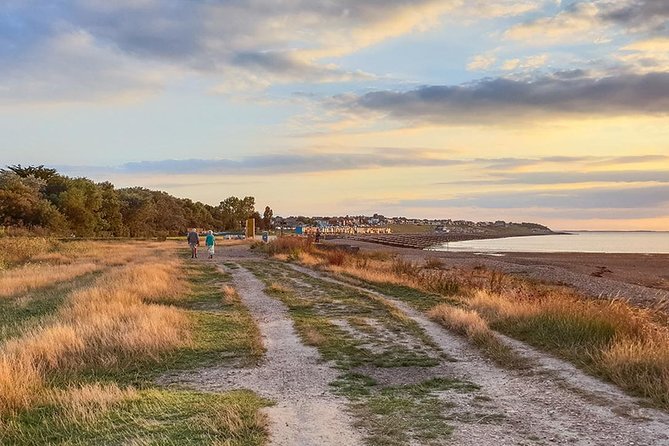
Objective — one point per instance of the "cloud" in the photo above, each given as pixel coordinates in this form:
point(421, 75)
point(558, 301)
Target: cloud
point(497, 100)
point(587, 199)
point(504, 8)
point(562, 177)
point(276, 164)
point(583, 162)
point(481, 62)
point(644, 15)
point(572, 24)
point(54, 72)
point(647, 55)
point(595, 21)
point(527, 63)
point(222, 41)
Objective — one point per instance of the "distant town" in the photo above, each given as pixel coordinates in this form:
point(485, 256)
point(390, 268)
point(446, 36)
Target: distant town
point(378, 224)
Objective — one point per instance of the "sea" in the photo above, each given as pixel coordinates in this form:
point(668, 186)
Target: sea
point(576, 241)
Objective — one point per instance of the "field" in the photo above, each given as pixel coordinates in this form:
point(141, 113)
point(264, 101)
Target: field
point(86, 328)
point(135, 343)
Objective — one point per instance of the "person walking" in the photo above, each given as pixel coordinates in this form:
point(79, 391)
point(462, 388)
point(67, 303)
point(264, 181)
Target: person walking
point(193, 241)
point(210, 241)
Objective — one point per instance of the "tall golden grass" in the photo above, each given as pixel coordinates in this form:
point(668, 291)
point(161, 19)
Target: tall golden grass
point(21, 383)
point(471, 325)
point(15, 250)
point(33, 276)
point(108, 324)
point(610, 337)
point(465, 322)
point(52, 262)
point(292, 246)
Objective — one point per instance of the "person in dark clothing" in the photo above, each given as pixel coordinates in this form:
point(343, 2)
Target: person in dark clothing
point(193, 242)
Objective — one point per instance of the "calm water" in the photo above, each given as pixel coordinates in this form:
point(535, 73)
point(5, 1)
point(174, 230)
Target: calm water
point(610, 242)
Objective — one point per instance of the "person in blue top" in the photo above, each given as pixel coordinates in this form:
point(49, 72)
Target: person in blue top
point(210, 241)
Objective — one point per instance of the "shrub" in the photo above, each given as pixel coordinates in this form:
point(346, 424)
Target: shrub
point(403, 267)
point(336, 257)
point(434, 263)
point(289, 245)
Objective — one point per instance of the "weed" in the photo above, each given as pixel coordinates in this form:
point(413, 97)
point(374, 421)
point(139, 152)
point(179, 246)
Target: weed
point(434, 263)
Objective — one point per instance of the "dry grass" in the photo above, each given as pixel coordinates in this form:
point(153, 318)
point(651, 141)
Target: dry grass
point(336, 257)
point(398, 272)
point(465, 322)
point(309, 259)
point(57, 258)
point(641, 366)
point(21, 384)
point(292, 246)
point(86, 402)
point(434, 263)
point(30, 277)
point(278, 288)
point(313, 337)
point(15, 250)
point(233, 420)
point(611, 338)
point(104, 325)
point(230, 295)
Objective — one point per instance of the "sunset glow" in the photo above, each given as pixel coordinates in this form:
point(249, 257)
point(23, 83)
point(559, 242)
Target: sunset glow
point(546, 111)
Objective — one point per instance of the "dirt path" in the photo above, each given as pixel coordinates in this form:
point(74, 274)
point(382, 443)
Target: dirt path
point(291, 374)
point(555, 404)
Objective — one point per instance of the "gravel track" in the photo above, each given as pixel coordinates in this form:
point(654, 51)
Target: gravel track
point(554, 404)
point(291, 374)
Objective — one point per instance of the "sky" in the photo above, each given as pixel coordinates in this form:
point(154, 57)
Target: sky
point(548, 111)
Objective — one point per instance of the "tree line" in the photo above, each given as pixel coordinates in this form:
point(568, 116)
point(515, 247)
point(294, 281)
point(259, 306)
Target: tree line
point(38, 198)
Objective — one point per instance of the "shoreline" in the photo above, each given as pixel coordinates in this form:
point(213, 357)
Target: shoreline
point(643, 279)
point(428, 240)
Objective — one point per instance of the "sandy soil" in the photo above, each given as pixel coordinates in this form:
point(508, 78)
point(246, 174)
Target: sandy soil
point(641, 278)
point(554, 404)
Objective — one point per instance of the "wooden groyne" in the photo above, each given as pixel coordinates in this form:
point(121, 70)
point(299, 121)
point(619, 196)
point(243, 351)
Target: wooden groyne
point(415, 241)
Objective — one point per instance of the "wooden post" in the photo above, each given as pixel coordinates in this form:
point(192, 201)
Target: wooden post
point(250, 228)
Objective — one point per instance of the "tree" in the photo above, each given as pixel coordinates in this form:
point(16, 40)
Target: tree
point(138, 210)
point(39, 172)
point(235, 211)
point(267, 218)
point(36, 196)
point(80, 204)
point(110, 210)
point(21, 203)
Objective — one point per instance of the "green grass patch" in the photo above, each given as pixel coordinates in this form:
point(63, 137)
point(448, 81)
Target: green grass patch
point(418, 299)
point(156, 417)
point(400, 415)
point(574, 337)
